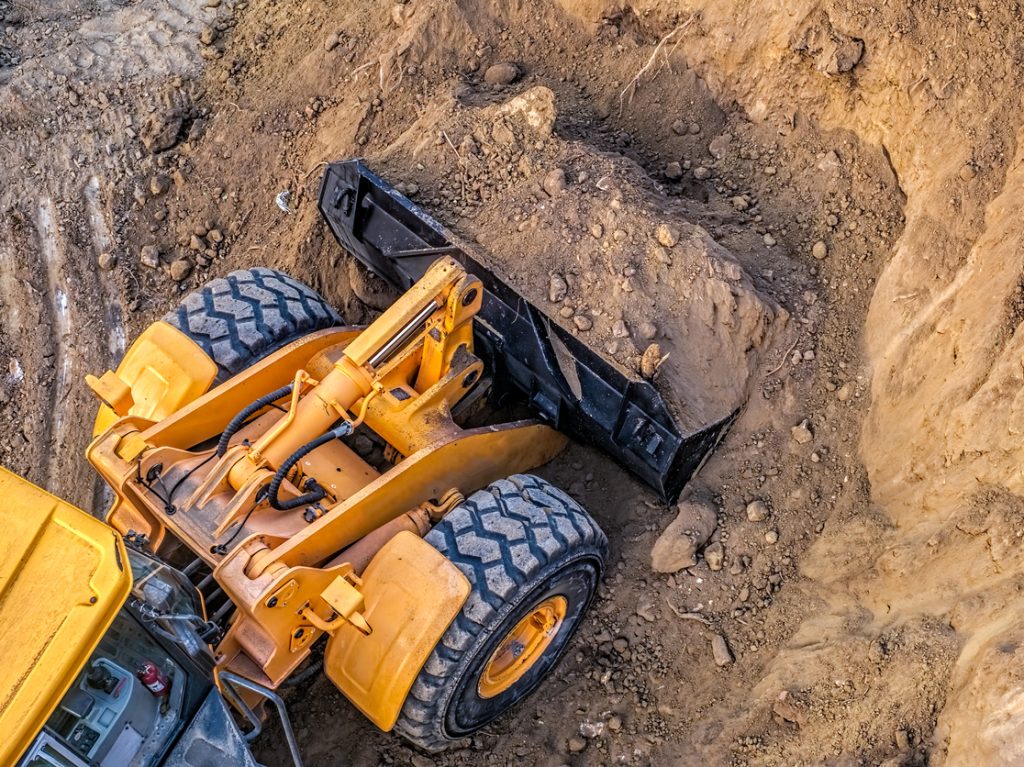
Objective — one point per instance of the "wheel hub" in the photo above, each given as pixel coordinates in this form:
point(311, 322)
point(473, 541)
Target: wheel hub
point(522, 647)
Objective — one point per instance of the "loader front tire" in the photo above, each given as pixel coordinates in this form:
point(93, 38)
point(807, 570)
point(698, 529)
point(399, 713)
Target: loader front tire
point(247, 315)
point(533, 557)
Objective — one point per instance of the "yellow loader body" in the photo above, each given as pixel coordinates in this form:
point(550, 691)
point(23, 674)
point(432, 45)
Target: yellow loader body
point(63, 577)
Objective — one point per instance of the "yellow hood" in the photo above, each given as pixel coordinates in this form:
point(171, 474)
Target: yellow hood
point(63, 576)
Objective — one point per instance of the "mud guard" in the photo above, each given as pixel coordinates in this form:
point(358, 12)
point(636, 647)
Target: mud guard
point(412, 594)
point(565, 382)
point(163, 371)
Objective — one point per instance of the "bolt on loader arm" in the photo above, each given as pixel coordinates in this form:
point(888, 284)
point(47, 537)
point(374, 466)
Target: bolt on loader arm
point(565, 382)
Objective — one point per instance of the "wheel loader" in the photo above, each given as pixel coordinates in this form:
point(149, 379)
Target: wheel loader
point(291, 493)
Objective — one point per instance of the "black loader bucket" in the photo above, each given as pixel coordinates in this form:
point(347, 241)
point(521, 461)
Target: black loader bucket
point(567, 384)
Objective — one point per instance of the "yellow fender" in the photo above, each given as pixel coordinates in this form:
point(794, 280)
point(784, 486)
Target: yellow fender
point(412, 593)
point(163, 371)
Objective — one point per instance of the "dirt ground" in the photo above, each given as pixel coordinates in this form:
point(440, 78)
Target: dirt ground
point(810, 206)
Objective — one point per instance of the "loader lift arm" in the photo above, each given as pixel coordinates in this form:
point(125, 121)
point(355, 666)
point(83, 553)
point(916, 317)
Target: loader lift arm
point(566, 383)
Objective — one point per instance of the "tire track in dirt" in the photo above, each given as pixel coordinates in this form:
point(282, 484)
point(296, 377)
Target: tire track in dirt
point(52, 260)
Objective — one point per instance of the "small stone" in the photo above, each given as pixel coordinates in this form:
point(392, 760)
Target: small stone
point(215, 235)
point(673, 171)
point(554, 182)
point(502, 74)
point(819, 250)
point(614, 724)
point(106, 261)
point(619, 329)
point(680, 128)
point(772, 537)
point(667, 235)
point(647, 330)
point(770, 170)
point(196, 243)
point(161, 130)
point(596, 231)
point(720, 650)
point(582, 322)
point(576, 744)
point(757, 510)
point(557, 288)
point(967, 172)
point(768, 239)
point(159, 185)
point(902, 740)
point(332, 41)
point(591, 730)
point(208, 35)
point(802, 433)
point(714, 555)
point(566, 312)
point(843, 394)
point(181, 269)
point(150, 256)
point(740, 202)
point(620, 645)
point(212, 3)
point(701, 173)
point(650, 361)
point(694, 129)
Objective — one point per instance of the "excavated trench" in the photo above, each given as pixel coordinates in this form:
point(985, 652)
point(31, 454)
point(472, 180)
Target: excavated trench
point(809, 207)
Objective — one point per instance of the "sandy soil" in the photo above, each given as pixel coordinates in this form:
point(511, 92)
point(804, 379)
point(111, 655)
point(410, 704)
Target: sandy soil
point(809, 206)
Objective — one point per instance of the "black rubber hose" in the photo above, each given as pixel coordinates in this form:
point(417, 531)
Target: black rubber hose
point(318, 492)
point(239, 420)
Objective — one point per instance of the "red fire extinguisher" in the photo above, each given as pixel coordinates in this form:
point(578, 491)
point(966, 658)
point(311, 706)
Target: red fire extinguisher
point(154, 679)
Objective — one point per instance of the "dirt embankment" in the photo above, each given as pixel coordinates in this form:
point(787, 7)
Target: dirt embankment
point(807, 206)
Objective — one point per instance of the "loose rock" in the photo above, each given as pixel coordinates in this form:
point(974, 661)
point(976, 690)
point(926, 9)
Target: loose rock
point(651, 361)
point(583, 322)
point(554, 182)
point(150, 256)
point(720, 650)
point(819, 250)
point(161, 129)
point(667, 235)
point(181, 269)
point(557, 288)
point(159, 185)
point(647, 330)
point(714, 555)
point(502, 74)
point(757, 510)
point(331, 42)
point(802, 433)
point(673, 171)
point(677, 546)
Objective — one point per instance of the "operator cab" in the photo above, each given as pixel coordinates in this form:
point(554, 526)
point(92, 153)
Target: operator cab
point(142, 684)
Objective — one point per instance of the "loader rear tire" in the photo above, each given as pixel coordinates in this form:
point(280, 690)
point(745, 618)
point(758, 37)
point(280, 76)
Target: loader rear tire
point(533, 556)
point(251, 313)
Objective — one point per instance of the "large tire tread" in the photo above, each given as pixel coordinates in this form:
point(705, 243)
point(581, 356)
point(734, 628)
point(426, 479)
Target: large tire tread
point(241, 318)
point(501, 538)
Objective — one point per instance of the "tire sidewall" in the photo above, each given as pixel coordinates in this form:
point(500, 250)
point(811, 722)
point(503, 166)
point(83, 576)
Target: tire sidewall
point(576, 579)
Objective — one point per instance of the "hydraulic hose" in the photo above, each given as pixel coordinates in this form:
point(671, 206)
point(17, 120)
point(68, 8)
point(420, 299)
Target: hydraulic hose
point(317, 493)
point(239, 420)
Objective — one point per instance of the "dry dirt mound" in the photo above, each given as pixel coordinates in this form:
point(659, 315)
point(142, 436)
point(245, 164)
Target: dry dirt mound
point(807, 206)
